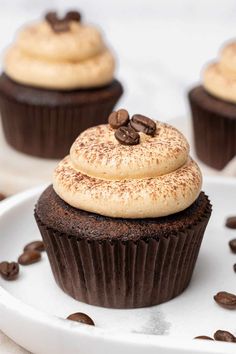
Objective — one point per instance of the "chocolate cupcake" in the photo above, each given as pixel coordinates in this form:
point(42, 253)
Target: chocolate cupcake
point(125, 217)
point(213, 106)
point(58, 80)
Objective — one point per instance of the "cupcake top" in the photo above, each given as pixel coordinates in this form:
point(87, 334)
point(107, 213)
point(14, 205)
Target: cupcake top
point(60, 54)
point(219, 77)
point(134, 168)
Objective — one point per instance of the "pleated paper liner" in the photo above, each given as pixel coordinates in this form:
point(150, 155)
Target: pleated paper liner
point(214, 127)
point(48, 130)
point(124, 274)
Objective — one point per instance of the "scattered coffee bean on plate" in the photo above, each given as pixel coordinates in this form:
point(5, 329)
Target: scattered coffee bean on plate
point(204, 337)
point(29, 257)
point(118, 118)
point(127, 136)
point(224, 336)
point(81, 317)
point(232, 245)
point(143, 124)
point(226, 300)
point(231, 222)
point(234, 266)
point(9, 270)
point(35, 246)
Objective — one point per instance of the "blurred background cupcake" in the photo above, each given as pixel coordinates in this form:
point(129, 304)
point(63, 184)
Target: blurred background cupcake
point(213, 106)
point(57, 80)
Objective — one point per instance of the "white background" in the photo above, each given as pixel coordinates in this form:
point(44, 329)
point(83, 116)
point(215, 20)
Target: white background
point(161, 45)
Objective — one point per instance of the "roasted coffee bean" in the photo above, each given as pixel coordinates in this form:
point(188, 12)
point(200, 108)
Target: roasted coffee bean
point(73, 16)
point(51, 17)
point(2, 197)
point(224, 336)
point(231, 222)
point(127, 136)
point(226, 300)
point(29, 257)
point(57, 24)
point(234, 266)
point(204, 337)
point(35, 246)
point(143, 124)
point(118, 118)
point(9, 270)
point(60, 26)
point(81, 317)
point(232, 245)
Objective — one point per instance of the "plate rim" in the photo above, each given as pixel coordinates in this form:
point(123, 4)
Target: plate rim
point(11, 303)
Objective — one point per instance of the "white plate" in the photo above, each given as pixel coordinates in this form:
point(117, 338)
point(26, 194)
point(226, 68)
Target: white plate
point(33, 308)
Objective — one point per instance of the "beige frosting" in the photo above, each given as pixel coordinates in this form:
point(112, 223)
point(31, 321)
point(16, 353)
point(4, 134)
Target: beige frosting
point(219, 78)
point(77, 58)
point(152, 179)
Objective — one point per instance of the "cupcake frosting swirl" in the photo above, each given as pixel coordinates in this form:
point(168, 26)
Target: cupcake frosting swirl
point(77, 58)
point(219, 78)
point(152, 179)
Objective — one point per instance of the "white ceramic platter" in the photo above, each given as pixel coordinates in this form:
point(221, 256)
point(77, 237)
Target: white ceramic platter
point(33, 308)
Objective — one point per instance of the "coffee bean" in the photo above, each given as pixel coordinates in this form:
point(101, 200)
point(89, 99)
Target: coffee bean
point(35, 246)
point(61, 26)
point(226, 300)
point(2, 197)
point(231, 222)
point(58, 25)
point(9, 270)
point(232, 245)
point(51, 17)
point(224, 336)
point(204, 337)
point(234, 266)
point(73, 16)
point(127, 136)
point(118, 119)
point(29, 257)
point(81, 317)
point(143, 124)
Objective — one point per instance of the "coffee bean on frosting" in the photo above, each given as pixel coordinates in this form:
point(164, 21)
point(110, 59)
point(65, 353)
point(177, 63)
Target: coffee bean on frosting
point(231, 222)
point(58, 25)
point(143, 124)
point(9, 270)
point(127, 136)
point(226, 300)
point(118, 118)
point(81, 317)
point(73, 16)
point(51, 17)
point(35, 246)
point(224, 336)
point(61, 26)
point(232, 245)
point(29, 257)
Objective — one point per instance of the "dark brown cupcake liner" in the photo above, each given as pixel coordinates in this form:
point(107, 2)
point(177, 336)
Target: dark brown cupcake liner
point(124, 274)
point(47, 130)
point(214, 128)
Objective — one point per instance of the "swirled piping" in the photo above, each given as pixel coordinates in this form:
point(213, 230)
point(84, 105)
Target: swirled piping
point(152, 179)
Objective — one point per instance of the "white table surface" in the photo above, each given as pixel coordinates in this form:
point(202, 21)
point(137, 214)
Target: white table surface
point(161, 44)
